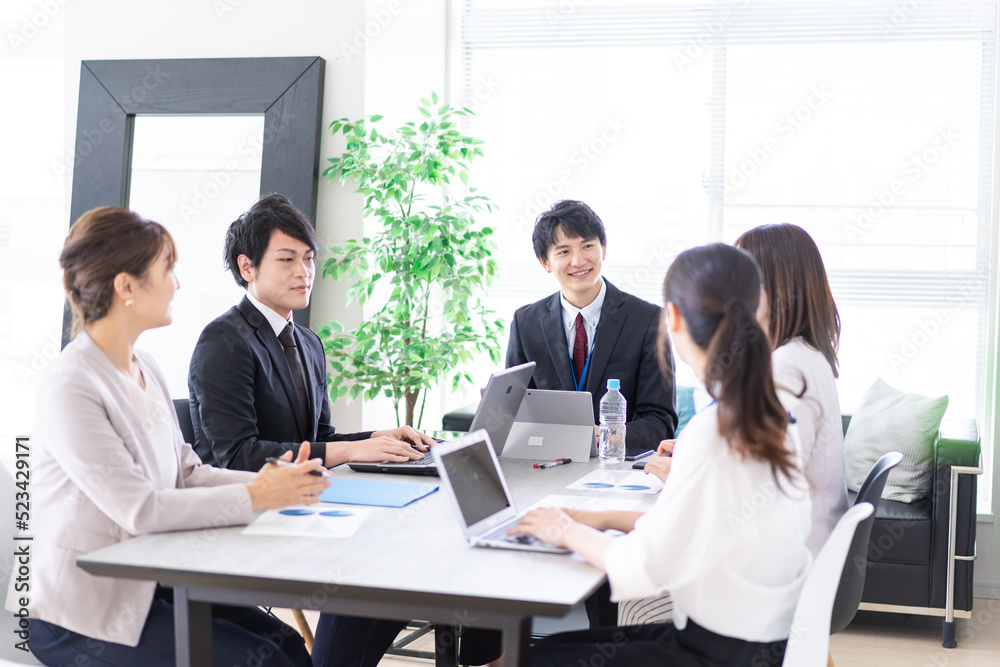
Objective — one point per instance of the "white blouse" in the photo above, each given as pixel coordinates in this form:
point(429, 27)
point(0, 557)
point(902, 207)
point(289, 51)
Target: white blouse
point(821, 432)
point(723, 538)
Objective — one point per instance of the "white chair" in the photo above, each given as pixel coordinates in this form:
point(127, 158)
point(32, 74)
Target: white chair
point(9, 655)
point(809, 639)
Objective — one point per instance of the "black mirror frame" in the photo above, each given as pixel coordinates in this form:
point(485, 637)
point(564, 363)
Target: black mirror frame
point(287, 91)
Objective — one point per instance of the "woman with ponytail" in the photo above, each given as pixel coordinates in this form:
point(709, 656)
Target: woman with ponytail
point(727, 533)
point(799, 315)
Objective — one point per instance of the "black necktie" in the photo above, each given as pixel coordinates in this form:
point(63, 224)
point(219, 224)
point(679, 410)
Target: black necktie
point(287, 339)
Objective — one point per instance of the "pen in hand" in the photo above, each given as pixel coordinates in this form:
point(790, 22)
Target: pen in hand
point(288, 464)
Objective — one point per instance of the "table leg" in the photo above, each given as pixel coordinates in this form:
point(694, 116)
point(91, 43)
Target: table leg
point(192, 630)
point(445, 651)
point(517, 641)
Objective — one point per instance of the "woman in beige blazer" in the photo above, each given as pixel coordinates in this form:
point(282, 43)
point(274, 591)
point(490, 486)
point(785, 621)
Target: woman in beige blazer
point(110, 463)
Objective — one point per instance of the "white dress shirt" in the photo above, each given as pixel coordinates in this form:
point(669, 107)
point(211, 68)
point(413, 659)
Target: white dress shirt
point(821, 432)
point(723, 538)
point(277, 322)
point(591, 316)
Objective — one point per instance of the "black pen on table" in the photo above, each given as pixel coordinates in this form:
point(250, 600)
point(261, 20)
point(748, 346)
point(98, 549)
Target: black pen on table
point(288, 464)
point(553, 464)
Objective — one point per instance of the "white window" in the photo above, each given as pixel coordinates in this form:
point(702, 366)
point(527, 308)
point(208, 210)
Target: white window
point(869, 124)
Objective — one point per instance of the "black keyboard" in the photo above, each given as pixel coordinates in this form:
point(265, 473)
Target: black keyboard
point(428, 459)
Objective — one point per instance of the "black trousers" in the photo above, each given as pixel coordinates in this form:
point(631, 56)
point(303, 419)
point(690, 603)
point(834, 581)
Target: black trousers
point(653, 645)
point(348, 641)
point(240, 636)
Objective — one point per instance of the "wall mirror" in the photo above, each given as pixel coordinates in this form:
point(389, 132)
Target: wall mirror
point(191, 144)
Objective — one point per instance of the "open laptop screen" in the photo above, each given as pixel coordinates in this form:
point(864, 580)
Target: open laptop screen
point(475, 481)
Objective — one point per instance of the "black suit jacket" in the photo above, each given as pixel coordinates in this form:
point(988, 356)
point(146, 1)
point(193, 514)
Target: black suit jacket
point(244, 405)
point(624, 348)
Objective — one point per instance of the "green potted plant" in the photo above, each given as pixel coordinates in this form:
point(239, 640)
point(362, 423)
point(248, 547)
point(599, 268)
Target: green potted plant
point(427, 266)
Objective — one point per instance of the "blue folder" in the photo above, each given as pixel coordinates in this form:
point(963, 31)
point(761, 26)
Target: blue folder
point(376, 493)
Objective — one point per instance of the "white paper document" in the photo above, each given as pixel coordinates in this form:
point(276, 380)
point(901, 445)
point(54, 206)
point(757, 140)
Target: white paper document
point(590, 503)
point(617, 481)
point(320, 520)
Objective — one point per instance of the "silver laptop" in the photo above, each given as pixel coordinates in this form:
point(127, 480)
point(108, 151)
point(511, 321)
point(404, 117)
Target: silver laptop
point(553, 425)
point(497, 409)
point(470, 473)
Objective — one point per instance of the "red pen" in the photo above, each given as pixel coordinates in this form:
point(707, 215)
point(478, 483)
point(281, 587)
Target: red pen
point(553, 464)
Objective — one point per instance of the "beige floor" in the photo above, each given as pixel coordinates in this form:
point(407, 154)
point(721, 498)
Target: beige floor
point(877, 640)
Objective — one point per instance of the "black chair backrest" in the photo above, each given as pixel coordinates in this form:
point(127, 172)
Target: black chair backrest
point(182, 406)
point(852, 579)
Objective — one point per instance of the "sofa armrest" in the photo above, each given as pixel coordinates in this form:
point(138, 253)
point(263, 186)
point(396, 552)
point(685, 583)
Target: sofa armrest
point(957, 445)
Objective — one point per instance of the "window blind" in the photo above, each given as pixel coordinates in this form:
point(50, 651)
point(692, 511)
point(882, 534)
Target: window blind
point(869, 124)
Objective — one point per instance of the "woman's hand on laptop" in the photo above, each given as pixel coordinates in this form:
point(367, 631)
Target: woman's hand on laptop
point(548, 524)
point(419, 439)
point(559, 529)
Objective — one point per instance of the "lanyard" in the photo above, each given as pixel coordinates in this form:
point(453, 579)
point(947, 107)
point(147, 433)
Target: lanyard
point(583, 376)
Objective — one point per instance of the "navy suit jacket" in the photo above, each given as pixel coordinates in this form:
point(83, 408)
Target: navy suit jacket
point(624, 348)
point(244, 405)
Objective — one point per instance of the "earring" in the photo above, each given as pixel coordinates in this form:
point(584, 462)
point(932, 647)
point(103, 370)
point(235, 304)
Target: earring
point(129, 303)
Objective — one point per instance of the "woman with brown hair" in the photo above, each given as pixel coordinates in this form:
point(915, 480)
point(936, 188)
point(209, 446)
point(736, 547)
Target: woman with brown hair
point(110, 463)
point(727, 533)
point(799, 315)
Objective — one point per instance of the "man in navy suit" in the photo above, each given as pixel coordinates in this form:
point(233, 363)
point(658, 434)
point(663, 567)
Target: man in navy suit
point(258, 388)
point(590, 331)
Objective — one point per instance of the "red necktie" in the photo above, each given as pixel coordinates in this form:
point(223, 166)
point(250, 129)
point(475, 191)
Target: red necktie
point(580, 347)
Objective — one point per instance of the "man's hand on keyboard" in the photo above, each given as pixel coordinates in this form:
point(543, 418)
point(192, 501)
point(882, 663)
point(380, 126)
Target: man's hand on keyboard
point(381, 448)
point(421, 441)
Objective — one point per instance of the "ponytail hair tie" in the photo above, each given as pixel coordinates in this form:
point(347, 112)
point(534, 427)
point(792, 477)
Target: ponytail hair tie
point(732, 305)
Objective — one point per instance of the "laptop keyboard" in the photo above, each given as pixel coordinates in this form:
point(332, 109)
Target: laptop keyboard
point(500, 535)
point(428, 459)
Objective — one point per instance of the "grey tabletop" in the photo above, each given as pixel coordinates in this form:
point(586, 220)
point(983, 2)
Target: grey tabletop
point(411, 555)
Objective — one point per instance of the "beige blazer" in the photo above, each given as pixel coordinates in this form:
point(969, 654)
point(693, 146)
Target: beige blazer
point(97, 479)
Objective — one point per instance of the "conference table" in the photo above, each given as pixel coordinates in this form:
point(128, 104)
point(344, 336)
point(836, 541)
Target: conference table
point(402, 563)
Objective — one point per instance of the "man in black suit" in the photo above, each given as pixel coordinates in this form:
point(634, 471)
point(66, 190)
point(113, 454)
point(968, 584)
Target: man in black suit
point(258, 388)
point(591, 331)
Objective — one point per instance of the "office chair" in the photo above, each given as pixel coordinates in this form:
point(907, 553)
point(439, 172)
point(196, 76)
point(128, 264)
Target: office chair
point(852, 579)
point(809, 638)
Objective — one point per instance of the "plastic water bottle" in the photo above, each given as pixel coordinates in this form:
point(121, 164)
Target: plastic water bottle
point(612, 442)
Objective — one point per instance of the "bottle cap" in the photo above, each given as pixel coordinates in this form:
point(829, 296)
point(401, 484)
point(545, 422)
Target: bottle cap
point(613, 384)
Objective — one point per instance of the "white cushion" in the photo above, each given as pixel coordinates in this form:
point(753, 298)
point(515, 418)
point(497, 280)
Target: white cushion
point(889, 420)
